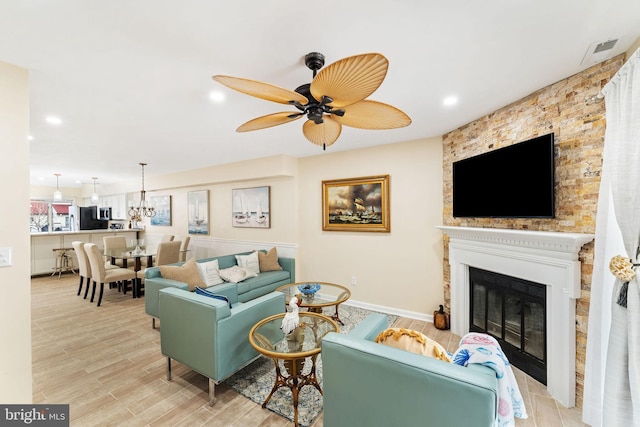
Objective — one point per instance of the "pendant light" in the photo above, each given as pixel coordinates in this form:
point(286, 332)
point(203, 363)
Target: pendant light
point(94, 196)
point(57, 195)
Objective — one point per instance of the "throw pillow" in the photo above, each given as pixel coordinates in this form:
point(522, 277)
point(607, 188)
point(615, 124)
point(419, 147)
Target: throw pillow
point(187, 273)
point(269, 261)
point(413, 341)
point(249, 262)
point(235, 274)
point(209, 272)
point(208, 293)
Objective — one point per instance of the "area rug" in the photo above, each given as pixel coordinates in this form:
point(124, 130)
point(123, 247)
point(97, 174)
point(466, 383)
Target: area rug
point(256, 380)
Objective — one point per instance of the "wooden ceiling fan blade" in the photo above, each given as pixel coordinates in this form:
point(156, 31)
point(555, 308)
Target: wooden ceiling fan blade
point(351, 79)
point(268, 121)
point(373, 115)
point(323, 134)
point(261, 90)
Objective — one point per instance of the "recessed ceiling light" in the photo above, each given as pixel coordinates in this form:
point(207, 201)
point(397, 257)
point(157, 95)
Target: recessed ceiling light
point(30, 137)
point(216, 96)
point(53, 120)
point(449, 101)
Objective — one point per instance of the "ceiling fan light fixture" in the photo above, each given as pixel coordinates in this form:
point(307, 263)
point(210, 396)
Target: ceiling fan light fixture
point(335, 97)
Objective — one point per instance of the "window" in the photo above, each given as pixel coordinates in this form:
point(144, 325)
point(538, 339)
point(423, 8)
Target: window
point(50, 216)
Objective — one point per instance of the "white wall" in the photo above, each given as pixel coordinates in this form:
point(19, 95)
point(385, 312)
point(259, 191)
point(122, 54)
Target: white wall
point(278, 172)
point(400, 269)
point(15, 288)
point(223, 237)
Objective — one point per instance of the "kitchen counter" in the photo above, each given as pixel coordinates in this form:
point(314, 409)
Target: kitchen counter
point(43, 244)
point(57, 233)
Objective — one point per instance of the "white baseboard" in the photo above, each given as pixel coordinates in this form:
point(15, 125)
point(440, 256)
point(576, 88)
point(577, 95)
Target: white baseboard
point(391, 310)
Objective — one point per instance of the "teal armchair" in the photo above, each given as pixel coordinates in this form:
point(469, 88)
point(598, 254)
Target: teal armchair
point(370, 384)
point(206, 335)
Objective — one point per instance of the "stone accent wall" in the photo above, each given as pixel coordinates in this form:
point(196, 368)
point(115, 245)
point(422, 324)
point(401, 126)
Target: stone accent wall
point(579, 139)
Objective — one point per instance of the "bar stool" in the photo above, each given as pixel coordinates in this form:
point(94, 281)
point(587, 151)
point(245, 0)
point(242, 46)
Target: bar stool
point(64, 261)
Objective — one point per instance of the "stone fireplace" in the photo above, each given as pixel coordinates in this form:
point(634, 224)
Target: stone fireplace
point(548, 258)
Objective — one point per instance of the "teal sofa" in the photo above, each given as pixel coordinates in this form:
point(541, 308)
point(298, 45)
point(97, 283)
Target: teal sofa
point(370, 384)
point(244, 291)
point(206, 335)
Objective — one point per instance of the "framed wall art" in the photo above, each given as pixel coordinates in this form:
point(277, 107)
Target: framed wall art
point(162, 205)
point(356, 204)
point(251, 207)
point(198, 211)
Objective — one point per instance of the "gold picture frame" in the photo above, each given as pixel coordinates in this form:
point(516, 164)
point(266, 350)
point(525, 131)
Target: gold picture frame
point(356, 204)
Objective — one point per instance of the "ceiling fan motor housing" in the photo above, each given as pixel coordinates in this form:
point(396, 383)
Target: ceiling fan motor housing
point(314, 61)
point(315, 109)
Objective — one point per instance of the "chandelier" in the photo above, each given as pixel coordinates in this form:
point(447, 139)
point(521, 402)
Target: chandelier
point(143, 209)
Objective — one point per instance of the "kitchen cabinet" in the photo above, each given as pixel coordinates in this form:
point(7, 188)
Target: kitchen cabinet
point(117, 203)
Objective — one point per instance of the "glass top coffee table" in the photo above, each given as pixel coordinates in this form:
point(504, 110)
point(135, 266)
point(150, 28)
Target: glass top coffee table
point(292, 350)
point(316, 295)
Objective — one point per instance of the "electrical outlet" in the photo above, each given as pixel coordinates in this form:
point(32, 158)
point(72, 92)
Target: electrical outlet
point(353, 280)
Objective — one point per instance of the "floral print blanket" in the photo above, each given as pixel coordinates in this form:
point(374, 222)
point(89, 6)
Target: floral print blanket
point(483, 349)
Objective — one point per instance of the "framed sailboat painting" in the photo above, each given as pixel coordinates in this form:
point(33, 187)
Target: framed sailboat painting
point(356, 204)
point(162, 205)
point(198, 211)
point(251, 207)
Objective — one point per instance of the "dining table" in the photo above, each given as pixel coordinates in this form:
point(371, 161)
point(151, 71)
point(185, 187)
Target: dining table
point(135, 254)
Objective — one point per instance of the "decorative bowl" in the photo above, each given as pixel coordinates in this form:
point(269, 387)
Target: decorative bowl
point(309, 288)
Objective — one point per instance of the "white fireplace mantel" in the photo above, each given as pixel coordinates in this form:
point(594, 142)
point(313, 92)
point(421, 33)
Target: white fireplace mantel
point(548, 258)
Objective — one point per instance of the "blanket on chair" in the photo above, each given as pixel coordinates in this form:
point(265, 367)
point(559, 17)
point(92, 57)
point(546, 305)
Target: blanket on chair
point(483, 349)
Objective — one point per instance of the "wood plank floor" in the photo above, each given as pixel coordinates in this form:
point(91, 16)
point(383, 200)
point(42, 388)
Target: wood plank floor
point(106, 363)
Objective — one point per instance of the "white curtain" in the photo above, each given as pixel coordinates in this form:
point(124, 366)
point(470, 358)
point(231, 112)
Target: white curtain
point(612, 372)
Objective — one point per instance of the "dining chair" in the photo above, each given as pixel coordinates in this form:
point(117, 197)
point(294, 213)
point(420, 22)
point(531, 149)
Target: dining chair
point(168, 253)
point(167, 238)
point(184, 248)
point(84, 268)
point(102, 275)
point(84, 271)
point(113, 243)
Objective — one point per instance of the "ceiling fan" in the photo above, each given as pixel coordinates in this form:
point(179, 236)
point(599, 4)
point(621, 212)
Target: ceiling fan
point(335, 97)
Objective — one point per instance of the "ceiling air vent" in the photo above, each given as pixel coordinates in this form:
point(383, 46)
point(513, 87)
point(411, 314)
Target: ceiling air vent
point(598, 52)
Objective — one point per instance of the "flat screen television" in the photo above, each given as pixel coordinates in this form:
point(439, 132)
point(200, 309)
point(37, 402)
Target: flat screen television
point(511, 182)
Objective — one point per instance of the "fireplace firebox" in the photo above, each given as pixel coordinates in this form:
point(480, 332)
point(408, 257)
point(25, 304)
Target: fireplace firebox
point(512, 310)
